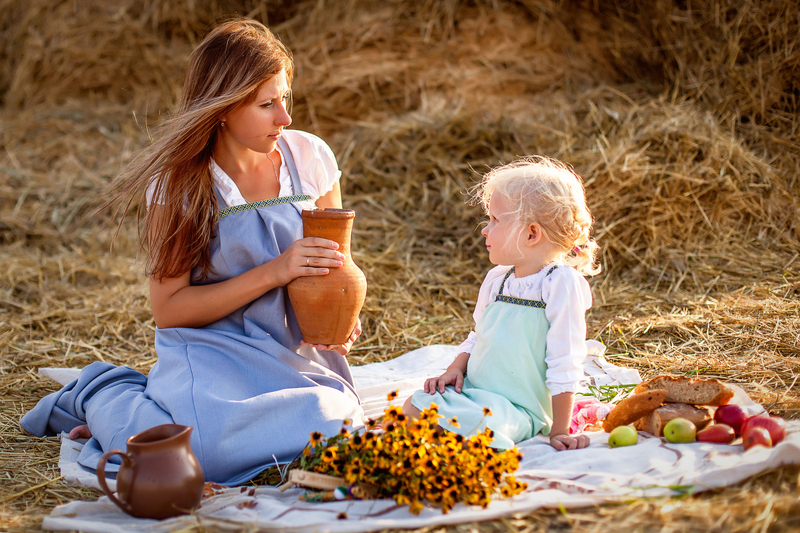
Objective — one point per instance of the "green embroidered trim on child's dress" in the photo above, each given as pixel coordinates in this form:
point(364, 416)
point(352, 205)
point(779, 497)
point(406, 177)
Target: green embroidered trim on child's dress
point(538, 304)
point(264, 203)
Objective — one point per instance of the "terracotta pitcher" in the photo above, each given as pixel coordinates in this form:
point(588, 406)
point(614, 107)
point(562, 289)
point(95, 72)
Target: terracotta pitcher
point(327, 306)
point(160, 477)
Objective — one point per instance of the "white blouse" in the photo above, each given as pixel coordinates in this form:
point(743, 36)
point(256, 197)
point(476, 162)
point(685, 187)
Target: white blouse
point(567, 297)
point(315, 162)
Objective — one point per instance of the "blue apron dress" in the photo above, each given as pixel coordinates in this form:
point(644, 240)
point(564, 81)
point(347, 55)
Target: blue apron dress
point(239, 382)
point(506, 372)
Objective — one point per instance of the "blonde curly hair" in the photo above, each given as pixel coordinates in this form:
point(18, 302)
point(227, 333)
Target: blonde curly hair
point(550, 193)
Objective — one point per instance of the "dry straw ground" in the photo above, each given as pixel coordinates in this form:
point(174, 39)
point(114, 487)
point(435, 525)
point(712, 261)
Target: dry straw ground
point(681, 116)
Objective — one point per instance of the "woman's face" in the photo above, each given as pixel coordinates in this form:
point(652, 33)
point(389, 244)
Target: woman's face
point(258, 124)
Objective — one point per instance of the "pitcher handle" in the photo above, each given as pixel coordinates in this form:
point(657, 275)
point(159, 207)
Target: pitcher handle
point(101, 477)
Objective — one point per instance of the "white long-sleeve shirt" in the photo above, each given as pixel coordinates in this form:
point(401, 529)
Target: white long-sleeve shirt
point(567, 297)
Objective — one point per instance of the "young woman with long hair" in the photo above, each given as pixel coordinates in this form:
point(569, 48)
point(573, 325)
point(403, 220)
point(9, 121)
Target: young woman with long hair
point(224, 184)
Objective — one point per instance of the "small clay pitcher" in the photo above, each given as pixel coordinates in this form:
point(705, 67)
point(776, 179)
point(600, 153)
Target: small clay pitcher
point(327, 307)
point(160, 477)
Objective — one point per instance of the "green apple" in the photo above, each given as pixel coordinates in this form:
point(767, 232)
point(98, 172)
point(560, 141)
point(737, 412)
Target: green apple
point(680, 430)
point(623, 436)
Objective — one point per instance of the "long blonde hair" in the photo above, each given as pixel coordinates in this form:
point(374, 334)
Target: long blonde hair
point(547, 192)
point(225, 72)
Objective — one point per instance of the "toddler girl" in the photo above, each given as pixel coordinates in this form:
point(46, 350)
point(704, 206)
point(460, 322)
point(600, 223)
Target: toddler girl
point(518, 371)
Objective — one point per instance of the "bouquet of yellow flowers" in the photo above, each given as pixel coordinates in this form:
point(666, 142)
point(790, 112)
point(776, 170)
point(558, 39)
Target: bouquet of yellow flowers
point(413, 461)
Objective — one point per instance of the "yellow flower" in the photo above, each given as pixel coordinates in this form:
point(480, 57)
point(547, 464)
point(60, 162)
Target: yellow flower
point(329, 455)
point(415, 507)
point(392, 395)
point(316, 436)
point(454, 422)
point(487, 411)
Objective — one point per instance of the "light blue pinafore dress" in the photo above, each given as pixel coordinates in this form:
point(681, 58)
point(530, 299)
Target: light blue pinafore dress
point(239, 382)
point(506, 372)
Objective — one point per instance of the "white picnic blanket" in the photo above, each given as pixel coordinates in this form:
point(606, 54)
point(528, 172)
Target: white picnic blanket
point(569, 479)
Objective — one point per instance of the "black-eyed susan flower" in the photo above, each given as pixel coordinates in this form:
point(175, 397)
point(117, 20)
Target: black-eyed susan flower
point(454, 422)
point(315, 438)
point(329, 455)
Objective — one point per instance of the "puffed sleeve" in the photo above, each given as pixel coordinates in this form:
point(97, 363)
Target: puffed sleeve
point(567, 297)
point(315, 162)
point(488, 291)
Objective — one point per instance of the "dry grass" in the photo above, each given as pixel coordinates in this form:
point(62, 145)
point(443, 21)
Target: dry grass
point(682, 118)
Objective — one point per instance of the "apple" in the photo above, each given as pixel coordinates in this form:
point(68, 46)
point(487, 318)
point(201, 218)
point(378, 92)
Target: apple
point(731, 415)
point(756, 436)
point(680, 430)
point(718, 433)
point(623, 436)
point(774, 424)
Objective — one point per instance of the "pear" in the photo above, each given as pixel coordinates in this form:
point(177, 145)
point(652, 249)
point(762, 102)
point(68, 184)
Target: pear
point(623, 436)
point(680, 430)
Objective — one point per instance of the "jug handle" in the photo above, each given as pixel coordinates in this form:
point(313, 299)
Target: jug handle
point(101, 477)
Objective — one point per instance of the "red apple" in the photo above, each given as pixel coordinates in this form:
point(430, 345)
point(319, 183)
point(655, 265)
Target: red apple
point(731, 415)
point(718, 433)
point(756, 436)
point(774, 424)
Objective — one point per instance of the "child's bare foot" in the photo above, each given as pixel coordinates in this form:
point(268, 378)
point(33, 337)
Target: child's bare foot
point(80, 432)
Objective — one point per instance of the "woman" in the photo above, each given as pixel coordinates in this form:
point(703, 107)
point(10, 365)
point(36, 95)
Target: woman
point(225, 184)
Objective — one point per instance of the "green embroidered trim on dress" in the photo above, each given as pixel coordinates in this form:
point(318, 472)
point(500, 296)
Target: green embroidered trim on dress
point(538, 304)
point(264, 203)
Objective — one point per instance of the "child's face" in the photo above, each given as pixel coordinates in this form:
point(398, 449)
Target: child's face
point(504, 236)
point(258, 124)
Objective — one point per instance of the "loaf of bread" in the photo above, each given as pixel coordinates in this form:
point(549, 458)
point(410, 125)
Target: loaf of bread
point(633, 408)
point(654, 422)
point(693, 391)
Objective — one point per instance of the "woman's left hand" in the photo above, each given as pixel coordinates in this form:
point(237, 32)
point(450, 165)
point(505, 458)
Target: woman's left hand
point(342, 349)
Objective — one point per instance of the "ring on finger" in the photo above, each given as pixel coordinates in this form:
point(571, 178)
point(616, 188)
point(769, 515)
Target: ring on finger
point(307, 259)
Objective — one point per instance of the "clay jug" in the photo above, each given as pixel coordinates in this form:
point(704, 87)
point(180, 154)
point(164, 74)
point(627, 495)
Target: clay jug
point(160, 477)
point(327, 307)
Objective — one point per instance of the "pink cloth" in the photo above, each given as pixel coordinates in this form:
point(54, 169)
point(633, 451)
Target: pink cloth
point(586, 414)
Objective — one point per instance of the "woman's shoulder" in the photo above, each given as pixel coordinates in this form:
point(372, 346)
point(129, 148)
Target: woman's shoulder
point(302, 142)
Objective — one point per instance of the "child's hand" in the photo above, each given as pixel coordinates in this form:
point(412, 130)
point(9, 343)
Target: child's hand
point(342, 349)
point(450, 377)
point(563, 442)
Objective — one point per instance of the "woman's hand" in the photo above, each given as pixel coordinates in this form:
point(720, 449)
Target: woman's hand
point(310, 256)
point(342, 349)
point(563, 442)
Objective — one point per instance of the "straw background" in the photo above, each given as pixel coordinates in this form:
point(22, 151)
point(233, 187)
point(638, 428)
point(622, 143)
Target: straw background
point(681, 116)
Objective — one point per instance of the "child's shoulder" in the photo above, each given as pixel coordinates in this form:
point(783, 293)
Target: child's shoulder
point(496, 274)
point(567, 283)
point(564, 274)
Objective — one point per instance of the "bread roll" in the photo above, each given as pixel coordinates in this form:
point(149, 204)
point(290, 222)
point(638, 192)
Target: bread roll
point(633, 408)
point(654, 422)
point(693, 391)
